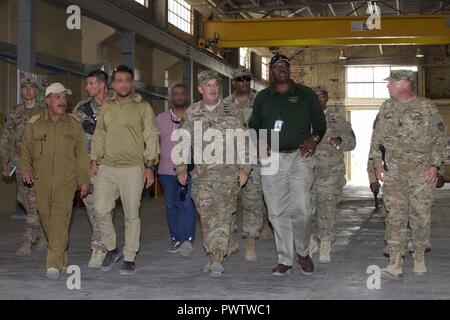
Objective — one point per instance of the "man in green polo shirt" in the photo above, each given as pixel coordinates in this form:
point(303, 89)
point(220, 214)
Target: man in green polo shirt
point(294, 112)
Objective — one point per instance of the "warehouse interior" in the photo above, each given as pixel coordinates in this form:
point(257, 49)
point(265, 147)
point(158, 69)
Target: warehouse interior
point(171, 41)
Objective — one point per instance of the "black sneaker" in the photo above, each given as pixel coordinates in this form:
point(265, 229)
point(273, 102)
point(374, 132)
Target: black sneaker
point(174, 246)
point(128, 268)
point(111, 259)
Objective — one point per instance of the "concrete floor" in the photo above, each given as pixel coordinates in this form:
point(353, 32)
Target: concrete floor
point(161, 275)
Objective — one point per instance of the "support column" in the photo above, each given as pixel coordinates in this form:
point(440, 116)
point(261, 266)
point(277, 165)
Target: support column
point(160, 13)
point(128, 48)
point(188, 77)
point(26, 41)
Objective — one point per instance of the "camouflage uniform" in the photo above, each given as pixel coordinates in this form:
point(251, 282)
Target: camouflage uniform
point(214, 186)
point(86, 121)
point(10, 153)
point(415, 137)
point(329, 174)
point(251, 193)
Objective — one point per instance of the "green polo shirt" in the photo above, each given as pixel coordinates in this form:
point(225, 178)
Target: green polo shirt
point(298, 108)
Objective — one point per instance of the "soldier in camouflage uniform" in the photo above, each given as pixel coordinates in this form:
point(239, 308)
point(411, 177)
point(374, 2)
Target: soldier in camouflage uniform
point(412, 132)
point(87, 111)
point(329, 177)
point(10, 155)
point(215, 186)
point(251, 193)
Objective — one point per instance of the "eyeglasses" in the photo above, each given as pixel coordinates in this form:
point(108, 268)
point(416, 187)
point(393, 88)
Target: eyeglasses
point(242, 79)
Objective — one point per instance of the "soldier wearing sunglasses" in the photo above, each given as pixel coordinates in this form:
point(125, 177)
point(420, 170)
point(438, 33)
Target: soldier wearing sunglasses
point(251, 193)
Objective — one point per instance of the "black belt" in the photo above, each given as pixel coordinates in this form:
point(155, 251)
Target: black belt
point(288, 150)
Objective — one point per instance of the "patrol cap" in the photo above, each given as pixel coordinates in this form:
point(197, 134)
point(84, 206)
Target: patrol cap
point(321, 89)
point(56, 87)
point(28, 81)
point(205, 76)
point(241, 72)
point(397, 75)
point(277, 58)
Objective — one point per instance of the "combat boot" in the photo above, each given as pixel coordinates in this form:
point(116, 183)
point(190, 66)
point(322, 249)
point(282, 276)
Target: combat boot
point(97, 258)
point(41, 244)
point(325, 251)
point(266, 231)
point(233, 245)
point(313, 246)
point(25, 248)
point(419, 268)
point(216, 259)
point(250, 253)
point(207, 267)
point(394, 270)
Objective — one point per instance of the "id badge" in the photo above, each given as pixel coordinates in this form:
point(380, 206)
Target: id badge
point(278, 125)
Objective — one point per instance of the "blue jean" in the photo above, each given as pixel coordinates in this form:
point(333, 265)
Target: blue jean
point(180, 214)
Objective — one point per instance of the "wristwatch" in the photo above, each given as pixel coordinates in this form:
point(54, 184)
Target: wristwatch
point(316, 138)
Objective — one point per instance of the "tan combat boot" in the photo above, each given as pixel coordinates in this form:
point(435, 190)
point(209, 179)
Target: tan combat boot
point(250, 253)
point(216, 259)
point(395, 267)
point(207, 267)
point(233, 245)
point(97, 258)
point(266, 231)
point(25, 248)
point(325, 251)
point(313, 246)
point(419, 268)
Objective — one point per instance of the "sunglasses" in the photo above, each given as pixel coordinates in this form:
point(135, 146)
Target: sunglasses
point(242, 79)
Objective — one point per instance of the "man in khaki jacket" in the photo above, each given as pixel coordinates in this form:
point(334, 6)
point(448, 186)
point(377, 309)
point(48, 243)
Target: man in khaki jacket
point(55, 160)
point(124, 152)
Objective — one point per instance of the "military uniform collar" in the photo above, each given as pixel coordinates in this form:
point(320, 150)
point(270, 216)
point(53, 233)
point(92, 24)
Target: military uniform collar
point(64, 117)
point(292, 89)
point(136, 98)
point(250, 97)
point(203, 107)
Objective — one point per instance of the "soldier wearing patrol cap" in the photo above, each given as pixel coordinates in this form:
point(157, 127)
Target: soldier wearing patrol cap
point(10, 157)
point(329, 177)
point(407, 149)
point(214, 185)
point(251, 194)
point(55, 160)
point(87, 111)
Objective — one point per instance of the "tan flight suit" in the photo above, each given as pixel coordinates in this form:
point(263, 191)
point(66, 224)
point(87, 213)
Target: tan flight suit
point(57, 153)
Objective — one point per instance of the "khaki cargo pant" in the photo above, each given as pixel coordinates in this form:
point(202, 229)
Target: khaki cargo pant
point(55, 212)
point(126, 183)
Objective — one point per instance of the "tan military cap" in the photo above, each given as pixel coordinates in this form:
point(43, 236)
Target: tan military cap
point(397, 75)
point(28, 81)
point(241, 72)
point(56, 88)
point(205, 76)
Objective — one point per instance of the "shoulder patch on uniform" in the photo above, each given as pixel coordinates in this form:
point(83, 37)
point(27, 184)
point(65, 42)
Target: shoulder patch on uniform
point(34, 118)
point(74, 117)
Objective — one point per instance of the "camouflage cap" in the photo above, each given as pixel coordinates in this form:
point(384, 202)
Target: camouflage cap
point(207, 75)
point(28, 81)
point(397, 75)
point(241, 72)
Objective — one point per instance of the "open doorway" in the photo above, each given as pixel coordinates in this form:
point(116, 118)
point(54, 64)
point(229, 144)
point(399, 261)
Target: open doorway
point(362, 125)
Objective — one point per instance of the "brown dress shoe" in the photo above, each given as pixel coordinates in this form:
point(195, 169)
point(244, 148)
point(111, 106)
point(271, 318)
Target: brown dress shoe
point(281, 270)
point(306, 264)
